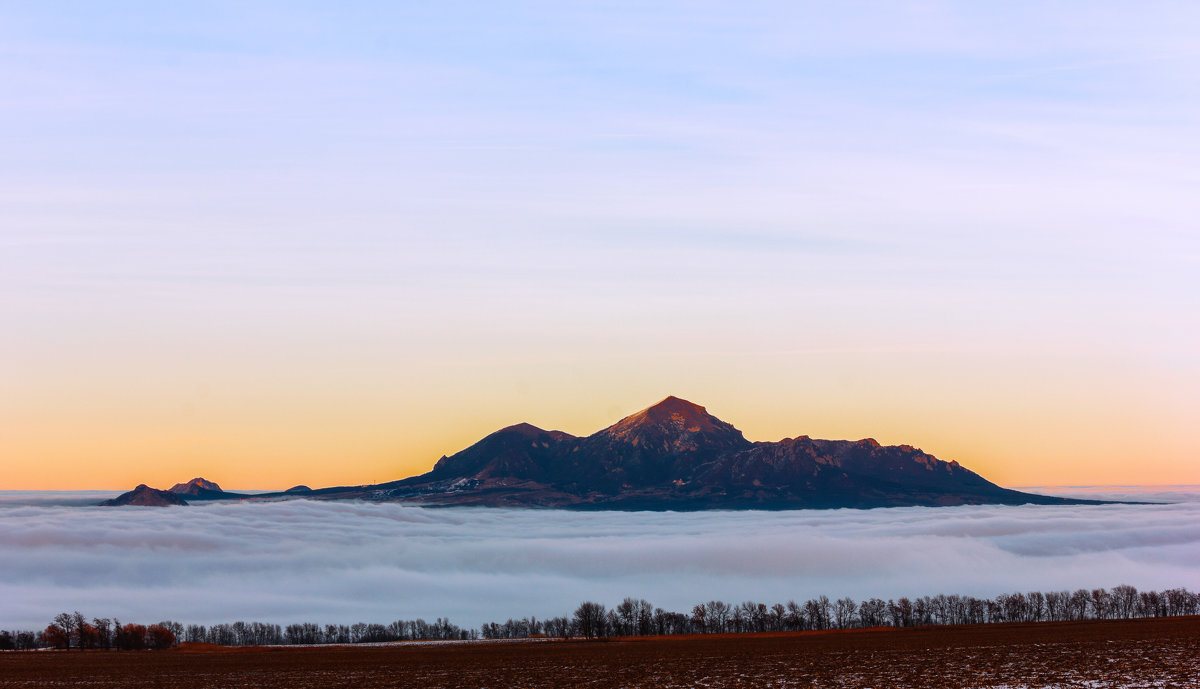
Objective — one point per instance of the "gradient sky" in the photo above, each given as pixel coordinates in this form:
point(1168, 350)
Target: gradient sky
point(328, 243)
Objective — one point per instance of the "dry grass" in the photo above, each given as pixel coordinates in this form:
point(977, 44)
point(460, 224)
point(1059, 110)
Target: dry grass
point(1135, 653)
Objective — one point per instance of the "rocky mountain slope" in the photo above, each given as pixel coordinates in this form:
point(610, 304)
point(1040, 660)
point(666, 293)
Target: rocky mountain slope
point(145, 496)
point(675, 455)
point(197, 487)
point(178, 494)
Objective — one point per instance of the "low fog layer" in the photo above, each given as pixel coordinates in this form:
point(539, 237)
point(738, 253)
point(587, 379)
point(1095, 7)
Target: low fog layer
point(345, 562)
point(79, 498)
point(1179, 493)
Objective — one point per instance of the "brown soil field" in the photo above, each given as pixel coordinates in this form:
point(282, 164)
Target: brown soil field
point(1133, 653)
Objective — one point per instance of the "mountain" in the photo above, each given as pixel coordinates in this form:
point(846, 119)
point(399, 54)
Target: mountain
point(179, 494)
point(675, 455)
point(197, 487)
point(653, 447)
point(145, 496)
point(203, 489)
point(671, 456)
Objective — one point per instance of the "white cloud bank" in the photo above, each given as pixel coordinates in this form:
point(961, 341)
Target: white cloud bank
point(345, 562)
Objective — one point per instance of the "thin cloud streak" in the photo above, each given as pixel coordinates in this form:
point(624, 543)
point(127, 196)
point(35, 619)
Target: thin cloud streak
point(345, 562)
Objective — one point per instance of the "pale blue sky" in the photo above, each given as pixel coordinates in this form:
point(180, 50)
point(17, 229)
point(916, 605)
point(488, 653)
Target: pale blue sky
point(803, 212)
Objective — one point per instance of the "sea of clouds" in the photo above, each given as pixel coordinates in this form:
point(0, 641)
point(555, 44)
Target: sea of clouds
point(343, 562)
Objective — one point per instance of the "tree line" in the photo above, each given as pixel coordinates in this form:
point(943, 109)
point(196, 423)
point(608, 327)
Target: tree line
point(634, 617)
point(74, 631)
point(638, 617)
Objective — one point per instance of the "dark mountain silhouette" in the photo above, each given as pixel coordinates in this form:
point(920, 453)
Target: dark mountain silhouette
point(198, 489)
point(675, 455)
point(145, 496)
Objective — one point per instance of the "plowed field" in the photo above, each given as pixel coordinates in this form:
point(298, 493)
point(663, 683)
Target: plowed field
point(1137, 653)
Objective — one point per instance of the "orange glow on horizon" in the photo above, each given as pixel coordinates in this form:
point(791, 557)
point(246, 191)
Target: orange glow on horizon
point(315, 445)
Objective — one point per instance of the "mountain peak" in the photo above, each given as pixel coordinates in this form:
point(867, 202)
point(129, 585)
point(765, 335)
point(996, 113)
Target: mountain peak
point(195, 487)
point(673, 412)
point(678, 404)
point(523, 428)
point(675, 425)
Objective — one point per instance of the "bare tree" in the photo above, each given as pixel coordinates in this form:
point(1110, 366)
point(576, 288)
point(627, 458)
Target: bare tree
point(627, 616)
point(609, 624)
point(82, 630)
point(589, 619)
point(812, 612)
point(1080, 602)
point(1124, 600)
point(66, 622)
point(1101, 603)
point(1056, 605)
point(1037, 605)
point(644, 617)
point(843, 612)
point(871, 612)
point(718, 613)
point(795, 615)
point(754, 616)
point(775, 620)
point(662, 621)
point(922, 611)
point(103, 627)
point(737, 621)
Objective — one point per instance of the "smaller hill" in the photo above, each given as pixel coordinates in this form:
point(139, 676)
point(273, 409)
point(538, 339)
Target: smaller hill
point(145, 496)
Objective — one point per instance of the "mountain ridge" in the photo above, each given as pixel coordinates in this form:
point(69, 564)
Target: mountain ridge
point(674, 455)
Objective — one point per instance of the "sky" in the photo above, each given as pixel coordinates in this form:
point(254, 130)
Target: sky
point(346, 562)
point(327, 244)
